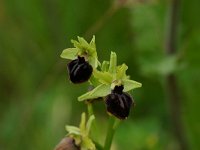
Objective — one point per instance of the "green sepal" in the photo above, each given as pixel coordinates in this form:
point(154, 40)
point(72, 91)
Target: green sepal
point(92, 43)
point(100, 91)
point(113, 63)
point(103, 77)
point(89, 124)
point(82, 125)
point(93, 60)
point(72, 130)
point(69, 53)
point(130, 85)
point(94, 81)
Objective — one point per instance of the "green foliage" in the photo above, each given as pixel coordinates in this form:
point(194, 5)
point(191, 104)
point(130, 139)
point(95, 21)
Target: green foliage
point(36, 101)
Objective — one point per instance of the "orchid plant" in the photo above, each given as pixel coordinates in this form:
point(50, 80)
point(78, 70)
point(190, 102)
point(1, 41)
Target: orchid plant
point(109, 83)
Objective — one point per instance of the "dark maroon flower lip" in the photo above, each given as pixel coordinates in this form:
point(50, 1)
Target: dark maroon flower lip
point(118, 89)
point(119, 103)
point(79, 70)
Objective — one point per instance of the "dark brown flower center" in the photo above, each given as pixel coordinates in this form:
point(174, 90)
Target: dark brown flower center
point(79, 70)
point(119, 103)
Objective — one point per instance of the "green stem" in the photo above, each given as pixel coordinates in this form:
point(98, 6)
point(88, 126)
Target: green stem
point(90, 109)
point(172, 86)
point(94, 132)
point(113, 123)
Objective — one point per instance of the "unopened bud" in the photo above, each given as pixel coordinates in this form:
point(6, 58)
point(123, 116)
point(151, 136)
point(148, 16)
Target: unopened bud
point(67, 143)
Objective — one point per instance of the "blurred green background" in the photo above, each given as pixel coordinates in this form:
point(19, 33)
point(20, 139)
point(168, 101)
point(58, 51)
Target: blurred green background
point(37, 100)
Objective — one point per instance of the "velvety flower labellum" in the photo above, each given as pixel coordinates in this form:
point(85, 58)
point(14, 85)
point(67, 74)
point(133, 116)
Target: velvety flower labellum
point(118, 103)
point(79, 70)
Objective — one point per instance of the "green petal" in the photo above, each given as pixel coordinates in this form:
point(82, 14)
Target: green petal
point(105, 66)
point(77, 44)
point(121, 71)
point(130, 85)
point(113, 62)
point(100, 91)
point(69, 53)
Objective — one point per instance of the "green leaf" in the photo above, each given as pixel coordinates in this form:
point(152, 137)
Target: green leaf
point(100, 91)
point(130, 85)
point(69, 53)
point(113, 62)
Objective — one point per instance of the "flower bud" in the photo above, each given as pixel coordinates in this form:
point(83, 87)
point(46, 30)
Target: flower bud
point(118, 103)
point(79, 70)
point(67, 143)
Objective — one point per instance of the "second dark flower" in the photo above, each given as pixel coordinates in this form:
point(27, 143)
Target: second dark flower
point(118, 103)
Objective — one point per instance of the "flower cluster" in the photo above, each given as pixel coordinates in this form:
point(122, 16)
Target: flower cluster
point(109, 80)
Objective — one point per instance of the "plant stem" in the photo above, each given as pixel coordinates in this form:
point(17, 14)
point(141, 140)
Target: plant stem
point(113, 123)
point(90, 109)
point(172, 85)
point(94, 129)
